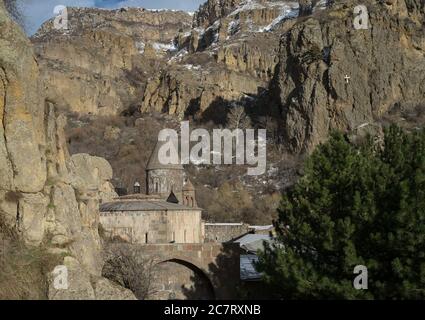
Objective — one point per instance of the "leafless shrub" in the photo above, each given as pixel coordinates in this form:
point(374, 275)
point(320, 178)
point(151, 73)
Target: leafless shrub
point(130, 269)
point(238, 119)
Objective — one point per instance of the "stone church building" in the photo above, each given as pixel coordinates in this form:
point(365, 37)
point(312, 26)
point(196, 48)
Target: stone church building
point(166, 225)
point(167, 213)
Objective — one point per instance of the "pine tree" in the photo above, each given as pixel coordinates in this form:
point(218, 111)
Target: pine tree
point(354, 205)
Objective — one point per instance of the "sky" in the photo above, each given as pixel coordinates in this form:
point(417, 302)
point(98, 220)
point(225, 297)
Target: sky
point(37, 11)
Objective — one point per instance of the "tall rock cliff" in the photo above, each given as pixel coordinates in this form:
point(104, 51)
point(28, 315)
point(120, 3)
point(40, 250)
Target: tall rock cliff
point(229, 57)
point(101, 63)
point(333, 76)
point(164, 61)
point(301, 63)
point(50, 198)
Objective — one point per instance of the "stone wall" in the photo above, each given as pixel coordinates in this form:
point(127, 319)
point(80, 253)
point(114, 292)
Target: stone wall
point(223, 232)
point(163, 181)
point(182, 226)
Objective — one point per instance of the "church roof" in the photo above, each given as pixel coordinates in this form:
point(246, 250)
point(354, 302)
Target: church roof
point(143, 205)
point(154, 163)
point(188, 186)
point(172, 198)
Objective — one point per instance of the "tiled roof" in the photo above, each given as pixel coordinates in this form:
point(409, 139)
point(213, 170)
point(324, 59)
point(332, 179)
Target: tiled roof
point(142, 205)
point(253, 242)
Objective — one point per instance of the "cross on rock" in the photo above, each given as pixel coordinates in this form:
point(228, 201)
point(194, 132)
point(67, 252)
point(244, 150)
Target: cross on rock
point(347, 78)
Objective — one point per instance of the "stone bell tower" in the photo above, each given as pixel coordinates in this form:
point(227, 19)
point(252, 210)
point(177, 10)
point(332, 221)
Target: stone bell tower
point(163, 179)
point(189, 196)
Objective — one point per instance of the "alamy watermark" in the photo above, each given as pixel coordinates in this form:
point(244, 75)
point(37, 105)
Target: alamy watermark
point(60, 280)
point(228, 147)
point(61, 17)
point(361, 17)
point(361, 281)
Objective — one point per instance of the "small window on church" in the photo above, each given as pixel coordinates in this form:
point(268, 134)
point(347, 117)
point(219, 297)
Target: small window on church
point(191, 202)
point(156, 187)
point(185, 236)
point(146, 238)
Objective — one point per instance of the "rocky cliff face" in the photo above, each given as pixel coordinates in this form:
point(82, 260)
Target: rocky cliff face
point(321, 75)
point(228, 57)
point(213, 10)
point(303, 63)
point(157, 61)
point(51, 198)
point(101, 64)
point(332, 76)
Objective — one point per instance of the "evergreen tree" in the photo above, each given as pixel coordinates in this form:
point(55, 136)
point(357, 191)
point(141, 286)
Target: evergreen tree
point(354, 205)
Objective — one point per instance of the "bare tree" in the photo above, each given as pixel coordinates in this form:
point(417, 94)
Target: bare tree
point(237, 118)
point(130, 269)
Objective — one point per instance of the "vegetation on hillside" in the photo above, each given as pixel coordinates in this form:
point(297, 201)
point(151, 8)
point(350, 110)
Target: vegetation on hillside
point(355, 205)
point(23, 269)
point(225, 192)
point(128, 268)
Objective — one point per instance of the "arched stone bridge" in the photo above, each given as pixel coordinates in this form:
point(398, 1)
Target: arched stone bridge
point(193, 271)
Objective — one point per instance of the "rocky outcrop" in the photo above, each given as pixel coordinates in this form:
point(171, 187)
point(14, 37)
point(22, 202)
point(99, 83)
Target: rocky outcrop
point(101, 64)
point(105, 289)
point(326, 75)
point(50, 198)
point(332, 76)
point(83, 286)
point(155, 61)
point(92, 174)
point(187, 89)
point(229, 57)
point(212, 10)
point(21, 119)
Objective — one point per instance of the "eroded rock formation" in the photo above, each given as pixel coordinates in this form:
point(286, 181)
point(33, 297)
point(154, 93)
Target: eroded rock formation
point(332, 76)
point(52, 199)
point(229, 56)
point(101, 63)
point(303, 64)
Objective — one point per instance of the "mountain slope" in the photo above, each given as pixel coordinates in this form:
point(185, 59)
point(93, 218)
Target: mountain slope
point(101, 64)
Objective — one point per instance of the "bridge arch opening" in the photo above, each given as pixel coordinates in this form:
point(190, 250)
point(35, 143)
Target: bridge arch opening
point(178, 279)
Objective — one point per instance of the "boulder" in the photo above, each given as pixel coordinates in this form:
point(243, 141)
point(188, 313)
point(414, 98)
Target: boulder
point(77, 284)
point(107, 290)
point(92, 173)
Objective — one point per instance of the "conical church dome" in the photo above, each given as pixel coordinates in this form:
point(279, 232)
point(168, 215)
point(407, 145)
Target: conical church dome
point(188, 186)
